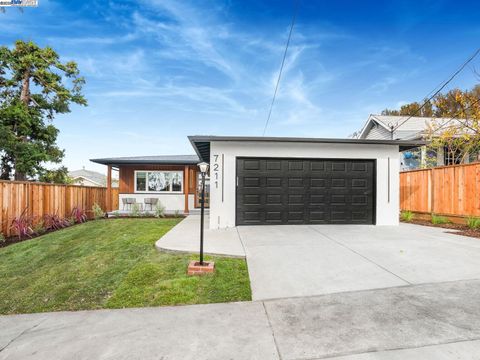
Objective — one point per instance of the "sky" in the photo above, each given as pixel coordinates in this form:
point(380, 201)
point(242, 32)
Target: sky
point(159, 70)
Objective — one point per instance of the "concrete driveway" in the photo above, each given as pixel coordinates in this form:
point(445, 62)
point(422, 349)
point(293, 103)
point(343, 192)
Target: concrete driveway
point(307, 260)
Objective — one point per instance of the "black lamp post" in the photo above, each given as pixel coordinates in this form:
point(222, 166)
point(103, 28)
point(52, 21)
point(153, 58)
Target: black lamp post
point(203, 166)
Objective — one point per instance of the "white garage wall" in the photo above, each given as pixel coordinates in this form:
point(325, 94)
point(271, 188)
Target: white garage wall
point(223, 156)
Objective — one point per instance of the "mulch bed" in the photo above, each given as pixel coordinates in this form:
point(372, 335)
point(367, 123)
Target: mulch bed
point(15, 239)
point(463, 230)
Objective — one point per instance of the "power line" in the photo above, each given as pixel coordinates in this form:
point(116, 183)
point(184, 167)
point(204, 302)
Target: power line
point(297, 5)
point(393, 128)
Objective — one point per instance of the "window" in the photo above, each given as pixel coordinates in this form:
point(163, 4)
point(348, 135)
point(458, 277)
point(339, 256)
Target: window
point(452, 157)
point(158, 181)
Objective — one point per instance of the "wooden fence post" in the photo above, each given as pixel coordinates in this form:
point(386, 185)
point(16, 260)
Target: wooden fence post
point(432, 190)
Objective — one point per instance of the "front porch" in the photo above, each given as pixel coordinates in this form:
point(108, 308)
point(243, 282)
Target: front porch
point(150, 201)
point(150, 183)
point(148, 212)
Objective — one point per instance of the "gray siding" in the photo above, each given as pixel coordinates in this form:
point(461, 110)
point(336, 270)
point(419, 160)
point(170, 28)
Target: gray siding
point(378, 132)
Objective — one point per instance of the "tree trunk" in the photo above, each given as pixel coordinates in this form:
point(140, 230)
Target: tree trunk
point(25, 98)
point(25, 93)
point(20, 176)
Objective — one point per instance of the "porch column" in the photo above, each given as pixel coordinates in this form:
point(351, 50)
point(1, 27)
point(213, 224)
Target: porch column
point(441, 156)
point(186, 187)
point(423, 157)
point(109, 188)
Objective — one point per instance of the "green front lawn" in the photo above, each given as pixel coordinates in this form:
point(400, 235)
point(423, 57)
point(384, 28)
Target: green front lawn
point(110, 264)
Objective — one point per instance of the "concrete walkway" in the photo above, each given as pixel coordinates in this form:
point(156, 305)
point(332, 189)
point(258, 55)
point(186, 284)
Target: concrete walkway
point(436, 321)
point(186, 237)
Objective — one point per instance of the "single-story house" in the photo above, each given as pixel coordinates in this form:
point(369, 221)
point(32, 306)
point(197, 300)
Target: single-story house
point(172, 180)
point(277, 180)
point(384, 127)
point(86, 177)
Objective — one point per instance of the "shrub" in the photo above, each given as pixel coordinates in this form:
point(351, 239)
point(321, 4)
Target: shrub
point(2, 238)
point(39, 228)
point(55, 222)
point(23, 225)
point(135, 210)
point(438, 220)
point(98, 213)
point(407, 216)
point(78, 215)
point(176, 214)
point(159, 210)
point(473, 223)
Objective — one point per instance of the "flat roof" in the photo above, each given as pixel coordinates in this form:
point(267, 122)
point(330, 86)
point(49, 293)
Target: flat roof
point(201, 143)
point(149, 160)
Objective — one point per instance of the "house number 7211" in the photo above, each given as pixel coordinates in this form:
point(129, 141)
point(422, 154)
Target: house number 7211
point(215, 170)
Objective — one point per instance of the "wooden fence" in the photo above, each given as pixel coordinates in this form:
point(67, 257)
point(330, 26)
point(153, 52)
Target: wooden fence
point(40, 198)
point(448, 190)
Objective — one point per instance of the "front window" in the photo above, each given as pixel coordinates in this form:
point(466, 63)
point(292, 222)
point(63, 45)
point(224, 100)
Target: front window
point(158, 181)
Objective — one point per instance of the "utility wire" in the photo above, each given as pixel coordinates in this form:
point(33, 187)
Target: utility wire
point(295, 11)
point(393, 128)
point(456, 117)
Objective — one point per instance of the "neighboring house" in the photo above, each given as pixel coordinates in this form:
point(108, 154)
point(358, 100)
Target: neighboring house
point(267, 180)
point(90, 178)
point(172, 179)
point(411, 128)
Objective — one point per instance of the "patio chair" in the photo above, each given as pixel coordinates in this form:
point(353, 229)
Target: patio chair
point(130, 202)
point(124, 203)
point(151, 202)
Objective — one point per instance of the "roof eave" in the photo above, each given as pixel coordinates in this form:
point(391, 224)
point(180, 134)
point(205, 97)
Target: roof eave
point(85, 178)
point(204, 154)
point(141, 162)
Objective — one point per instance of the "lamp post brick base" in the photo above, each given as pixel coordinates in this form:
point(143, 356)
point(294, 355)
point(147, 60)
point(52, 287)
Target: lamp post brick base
point(195, 268)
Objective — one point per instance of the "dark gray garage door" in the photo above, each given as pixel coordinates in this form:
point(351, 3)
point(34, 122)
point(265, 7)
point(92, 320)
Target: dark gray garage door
point(305, 191)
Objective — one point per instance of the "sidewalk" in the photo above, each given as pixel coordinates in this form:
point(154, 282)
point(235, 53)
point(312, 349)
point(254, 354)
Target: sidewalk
point(435, 321)
point(186, 237)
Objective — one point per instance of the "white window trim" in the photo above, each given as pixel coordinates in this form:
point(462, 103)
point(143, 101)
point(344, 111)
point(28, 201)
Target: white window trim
point(156, 192)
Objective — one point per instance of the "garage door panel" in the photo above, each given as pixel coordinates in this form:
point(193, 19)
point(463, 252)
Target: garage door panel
point(295, 216)
point(339, 167)
point(318, 183)
point(273, 165)
point(295, 165)
point(339, 200)
point(274, 199)
point(317, 216)
point(251, 182)
point(303, 191)
point(317, 199)
point(252, 164)
point(338, 183)
point(252, 199)
point(274, 182)
point(317, 166)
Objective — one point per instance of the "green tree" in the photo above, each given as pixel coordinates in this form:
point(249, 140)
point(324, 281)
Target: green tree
point(412, 109)
point(34, 87)
point(460, 133)
point(457, 129)
point(56, 176)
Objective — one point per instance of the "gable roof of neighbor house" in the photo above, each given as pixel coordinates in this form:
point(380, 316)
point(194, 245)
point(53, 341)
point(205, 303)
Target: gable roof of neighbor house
point(415, 127)
point(93, 176)
point(201, 143)
point(149, 160)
